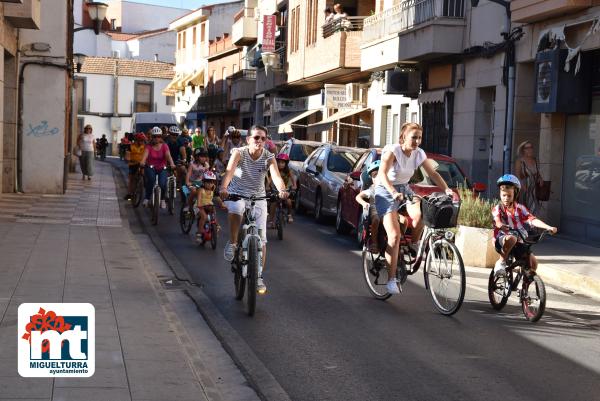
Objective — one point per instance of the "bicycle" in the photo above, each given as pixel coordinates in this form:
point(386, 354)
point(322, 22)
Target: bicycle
point(138, 188)
point(443, 267)
point(247, 261)
point(171, 192)
point(156, 195)
point(281, 216)
point(501, 286)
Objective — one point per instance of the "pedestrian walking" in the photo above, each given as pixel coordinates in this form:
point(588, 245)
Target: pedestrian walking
point(103, 143)
point(87, 145)
point(527, 170)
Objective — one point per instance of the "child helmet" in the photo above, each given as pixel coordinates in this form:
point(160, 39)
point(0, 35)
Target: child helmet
point(373, 166)
point(283, 156)
point(209, 175)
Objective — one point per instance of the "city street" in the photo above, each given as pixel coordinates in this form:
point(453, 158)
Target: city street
point(323, 337)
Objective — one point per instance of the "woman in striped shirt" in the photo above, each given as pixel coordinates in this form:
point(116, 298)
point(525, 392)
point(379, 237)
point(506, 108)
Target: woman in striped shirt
point(245, 175)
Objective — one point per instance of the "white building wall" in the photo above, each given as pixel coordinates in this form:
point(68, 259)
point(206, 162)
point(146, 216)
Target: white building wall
point(138, 17)
point(44, 113)
point(121, 47)
point(78, 11)
point(221, 18)
point(88, 43)
point(164, 44)
point(99, 92)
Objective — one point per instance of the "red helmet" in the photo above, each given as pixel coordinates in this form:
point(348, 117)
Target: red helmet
point(209, 175)
point(283, 156)
point(140, 137)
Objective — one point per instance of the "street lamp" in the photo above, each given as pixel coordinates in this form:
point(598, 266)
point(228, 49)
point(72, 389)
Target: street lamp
point(78, 59)
point(97, 12)
point(270, 60)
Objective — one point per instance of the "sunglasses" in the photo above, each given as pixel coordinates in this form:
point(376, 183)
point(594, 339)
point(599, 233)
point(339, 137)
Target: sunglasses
point(259, 138)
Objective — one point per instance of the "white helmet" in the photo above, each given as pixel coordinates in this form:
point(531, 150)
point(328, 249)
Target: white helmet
point(174, 130)
point(231, 129)
point(156, 131)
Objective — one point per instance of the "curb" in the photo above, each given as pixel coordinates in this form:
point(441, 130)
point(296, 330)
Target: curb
point(257, 374)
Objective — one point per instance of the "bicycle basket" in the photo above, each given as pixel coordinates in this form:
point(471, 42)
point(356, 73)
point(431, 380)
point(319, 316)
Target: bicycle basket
point(439, 211)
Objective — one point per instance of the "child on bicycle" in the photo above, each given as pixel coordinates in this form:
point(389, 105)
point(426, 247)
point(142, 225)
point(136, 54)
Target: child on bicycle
point(193, 178)
point(366, 199)
point(134, 156)
point(206, 199)
point(283, 164)
point(509, 217)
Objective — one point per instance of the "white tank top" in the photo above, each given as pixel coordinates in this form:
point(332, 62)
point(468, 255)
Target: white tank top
point(87, 143)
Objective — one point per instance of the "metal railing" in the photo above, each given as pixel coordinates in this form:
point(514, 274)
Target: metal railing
point(409, 14)
point(243, 74)
point(214, 102)
point(343, 25)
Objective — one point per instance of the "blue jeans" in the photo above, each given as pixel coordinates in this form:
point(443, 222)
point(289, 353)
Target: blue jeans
point(150, 177)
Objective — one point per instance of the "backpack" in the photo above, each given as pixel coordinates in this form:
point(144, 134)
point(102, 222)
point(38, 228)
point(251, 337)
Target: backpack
point(439, 211)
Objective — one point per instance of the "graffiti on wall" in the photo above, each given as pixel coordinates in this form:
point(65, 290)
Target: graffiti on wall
point(41, 130)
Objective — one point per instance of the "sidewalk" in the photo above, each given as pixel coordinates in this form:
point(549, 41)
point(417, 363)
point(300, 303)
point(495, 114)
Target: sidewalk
point(568, 264)
point(151, 343)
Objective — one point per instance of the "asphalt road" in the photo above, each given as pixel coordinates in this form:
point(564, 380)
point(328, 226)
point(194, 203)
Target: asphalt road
point(324, 337)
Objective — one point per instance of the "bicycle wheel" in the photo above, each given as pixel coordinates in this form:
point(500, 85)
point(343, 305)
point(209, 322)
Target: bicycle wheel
point(171, 196)
point(252, 276)
point(186, 220)
point(238, 281)
point(155, 205)
point(533, 298)
point(213, 235)
point(499, 289)
point(375, 273)
point(445, 276)
point(279, 223)
point(138, 192)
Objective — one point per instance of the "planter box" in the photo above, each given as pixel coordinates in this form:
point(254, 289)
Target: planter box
point(476, 246)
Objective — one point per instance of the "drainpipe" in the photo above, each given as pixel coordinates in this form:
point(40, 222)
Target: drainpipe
point(64, 67)
point(115, 105)
point(510, 109)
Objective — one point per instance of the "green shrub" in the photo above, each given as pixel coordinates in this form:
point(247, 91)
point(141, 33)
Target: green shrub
point(475, 211)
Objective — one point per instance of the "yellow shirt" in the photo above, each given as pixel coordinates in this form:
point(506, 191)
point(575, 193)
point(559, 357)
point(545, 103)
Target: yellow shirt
point(206, 197)
point(136, 153)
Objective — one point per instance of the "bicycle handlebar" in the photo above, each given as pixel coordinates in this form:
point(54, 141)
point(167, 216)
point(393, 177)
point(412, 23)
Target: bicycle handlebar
point(270, 195)
point(530, 240)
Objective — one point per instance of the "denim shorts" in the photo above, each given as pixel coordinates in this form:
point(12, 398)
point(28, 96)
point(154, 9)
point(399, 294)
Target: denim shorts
point(385, 203)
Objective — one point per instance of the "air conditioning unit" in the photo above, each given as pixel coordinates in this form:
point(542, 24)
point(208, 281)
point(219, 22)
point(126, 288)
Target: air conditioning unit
point(402, 82)
point(557, 91)
point(115, 54)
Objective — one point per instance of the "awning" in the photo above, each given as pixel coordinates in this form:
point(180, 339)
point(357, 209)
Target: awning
point(182, 83)
point(197, 78)
point(433, 96)
point(326, 123)
point(170, 89)
point(285, 124)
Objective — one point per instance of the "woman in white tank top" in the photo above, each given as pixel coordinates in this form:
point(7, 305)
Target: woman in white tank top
point(87, 145)
point(398, 164)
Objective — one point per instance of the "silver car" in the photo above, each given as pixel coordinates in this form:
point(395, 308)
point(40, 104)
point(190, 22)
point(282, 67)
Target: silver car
point(298, 151)
point(321, 177)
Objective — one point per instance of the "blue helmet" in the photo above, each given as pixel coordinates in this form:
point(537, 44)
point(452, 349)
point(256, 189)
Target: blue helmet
point(373, 166)
point(509, 179)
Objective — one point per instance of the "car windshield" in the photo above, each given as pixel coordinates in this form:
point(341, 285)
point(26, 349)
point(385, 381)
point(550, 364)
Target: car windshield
point(449, 172)
point(341, 161)
point(299, 153)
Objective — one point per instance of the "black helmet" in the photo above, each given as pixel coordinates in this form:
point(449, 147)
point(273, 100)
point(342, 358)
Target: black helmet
point(200, 152)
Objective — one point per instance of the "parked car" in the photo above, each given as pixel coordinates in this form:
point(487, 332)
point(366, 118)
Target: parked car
point(143, 121)
point(349, 212)
point(322, 176)
point(298, 151)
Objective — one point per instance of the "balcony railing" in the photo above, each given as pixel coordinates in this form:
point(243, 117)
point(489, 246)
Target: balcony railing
point(244, 12)
point(217, 102)
point(244, 74)
point(343, 25)
point(409, 14)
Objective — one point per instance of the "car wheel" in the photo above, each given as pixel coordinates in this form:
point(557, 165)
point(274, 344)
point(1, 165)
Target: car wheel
point(319, 208)
point(298, 208)
point(340, 225)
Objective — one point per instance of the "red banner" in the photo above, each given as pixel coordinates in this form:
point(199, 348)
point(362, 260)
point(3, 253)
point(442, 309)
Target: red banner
point(269, 27)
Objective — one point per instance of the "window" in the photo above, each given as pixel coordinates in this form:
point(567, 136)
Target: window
point(297, 28)
point(80, 101)
point(170, 100)
point(299, 153)
point(183, 40)
point(311, 21)
point(143, 99)
point(293, 32)
point(194, 37)
point(341, 161)
point(178, 40)
point(202, 32)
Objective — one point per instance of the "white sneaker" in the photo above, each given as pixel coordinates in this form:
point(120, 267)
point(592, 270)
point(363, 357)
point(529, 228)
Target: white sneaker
point(393, 286)
point(500, 267)
point(261, 288)
point(229, 251)
point(163, 204)
point(146, 202)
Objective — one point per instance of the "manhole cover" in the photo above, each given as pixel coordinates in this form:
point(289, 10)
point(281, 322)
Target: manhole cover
point(170, 283)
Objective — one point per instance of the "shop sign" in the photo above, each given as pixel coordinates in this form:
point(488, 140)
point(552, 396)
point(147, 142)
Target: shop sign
point(281, 104)
point(268, 39)
point(335, 97)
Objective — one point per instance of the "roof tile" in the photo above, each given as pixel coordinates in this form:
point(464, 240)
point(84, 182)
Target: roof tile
point(126, 67)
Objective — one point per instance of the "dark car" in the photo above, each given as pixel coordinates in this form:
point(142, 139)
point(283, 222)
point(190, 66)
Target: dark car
point(322, 176)
point(349, 211)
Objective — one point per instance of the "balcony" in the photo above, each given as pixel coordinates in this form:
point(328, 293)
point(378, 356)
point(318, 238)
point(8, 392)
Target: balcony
point(243, 84)
point(335, 53)
point(215, 103)
point(26, 15)
point(244, 29)
point(274, 78)
point(537, 10)
point(220, 45)
point(413, 30)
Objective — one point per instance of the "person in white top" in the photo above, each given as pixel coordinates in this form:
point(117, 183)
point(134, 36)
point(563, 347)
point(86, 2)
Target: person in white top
point(87, 146)
point(398, 164)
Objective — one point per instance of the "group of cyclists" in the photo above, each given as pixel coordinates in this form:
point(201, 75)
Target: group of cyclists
point(211, 168)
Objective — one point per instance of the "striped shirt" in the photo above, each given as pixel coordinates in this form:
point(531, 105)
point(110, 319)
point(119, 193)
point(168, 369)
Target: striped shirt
point(516, 220)
point(249, 176)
